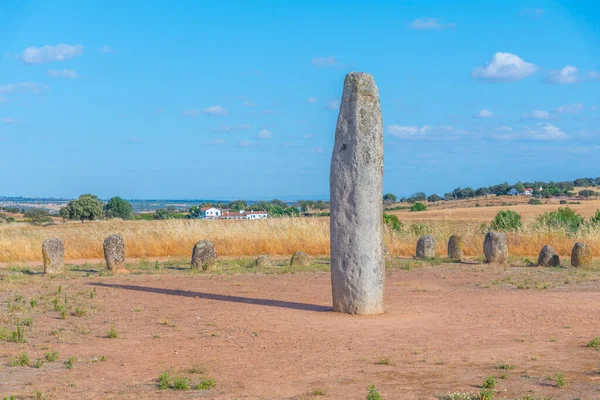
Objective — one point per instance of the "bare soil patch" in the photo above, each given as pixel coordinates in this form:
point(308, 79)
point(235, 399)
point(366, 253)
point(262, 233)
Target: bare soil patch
point(272, 335)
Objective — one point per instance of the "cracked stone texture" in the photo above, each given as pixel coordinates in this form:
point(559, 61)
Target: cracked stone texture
point(548, 257)
point(495, 248)
point(357, 255)
point(426, 247)
point(53, 252)
point(204, 255)
point(581, 256)
point(114, 253)
point(455, 248)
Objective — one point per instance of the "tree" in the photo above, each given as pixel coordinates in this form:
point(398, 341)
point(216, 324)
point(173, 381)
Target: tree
point(87, 206)
point(433, 198)
point(389, 198)
point(519, 186)
point(118, 208)
point(587, 193)
point(507, 221)
point(238, 205)
point(418, 207)
point(37, 216)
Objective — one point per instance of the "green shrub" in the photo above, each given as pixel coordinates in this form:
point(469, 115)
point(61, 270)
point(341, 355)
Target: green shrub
point(51, 356)
point(419, 229)
point(373, 393)
point(181, 383)
point(392, 222)
point(164, 381)
point(535, 202)
point(418, 207)
point(489, 383)
point(206, 384)
point(596, 218)
point(70, 362)
point(507, 221)
point(564, 218)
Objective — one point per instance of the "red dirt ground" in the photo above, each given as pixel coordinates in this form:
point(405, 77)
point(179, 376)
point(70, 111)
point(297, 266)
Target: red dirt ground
point(274, 337)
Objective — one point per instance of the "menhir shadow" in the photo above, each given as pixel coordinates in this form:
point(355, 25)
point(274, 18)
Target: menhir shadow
point(220, 297)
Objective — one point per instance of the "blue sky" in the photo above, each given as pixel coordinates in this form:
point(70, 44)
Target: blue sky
point(238, 99)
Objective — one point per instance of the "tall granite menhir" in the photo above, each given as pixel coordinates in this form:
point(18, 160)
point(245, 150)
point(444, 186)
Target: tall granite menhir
point(357, 248)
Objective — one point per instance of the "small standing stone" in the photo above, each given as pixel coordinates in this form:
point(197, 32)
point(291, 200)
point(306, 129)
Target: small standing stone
point(495, 248)
point(53, 251)
point(204, 255)
point(548, 257)
point(581, 256)
point(455, 248)
point(114, 253)
point(426, 247)
point(300, 259)
point(261, 261)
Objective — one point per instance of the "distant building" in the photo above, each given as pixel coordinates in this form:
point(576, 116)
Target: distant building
point(528, 191)
point(513, 192)
point(228, 214)
point(257, 214)
point(210, 213)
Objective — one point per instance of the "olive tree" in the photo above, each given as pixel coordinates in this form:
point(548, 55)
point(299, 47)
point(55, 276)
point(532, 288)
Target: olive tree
point(87, 206)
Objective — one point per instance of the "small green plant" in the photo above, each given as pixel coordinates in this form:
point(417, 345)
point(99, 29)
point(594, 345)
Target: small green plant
point(181, 383)
point(62, 314)
point(164, 380)
point(507, 221)
point(319, 392)
point(373, 394)
point(486, 394)
point(33, 303)
point(535, 202)
point(39, 395)
point(206, 384)
point(594, 343)
point(506, 367)
point(197, 369)
point(18, 335)
point(70, 362)
point(80, 312)
point(51, 356)
point(23, 359)
point(560, 379)
point(59, 289)
point(489, 383)
point(392, 222)
point(38, 363)
point(384, 361)
point(112, 333)
point(156, 266)
point(418, 207)
point(92, 293)
point(28, 321)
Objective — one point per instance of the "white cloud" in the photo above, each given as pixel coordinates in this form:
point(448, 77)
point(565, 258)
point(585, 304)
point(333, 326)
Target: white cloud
point(570, 108)
point(7, 120)
point(545, 131)
point(324, 61)
point(312, 99)
point(333, 105)
point(60, 52)
point(594, 75)
point(105, 49)
point(536, 12)
point(191, 112)
point(565, 76)
point(505, 67)
point(27, 87)
point(485, 114)
point(215, 110)
point(65, 73)
point(536, 115)
point(217, 141)
point(430, 23)
point(245, 143)
point(408, 131)
point(265, 134)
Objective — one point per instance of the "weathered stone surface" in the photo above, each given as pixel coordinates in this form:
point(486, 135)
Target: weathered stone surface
point(548, 257)
point(114, 253)
point(262, 261)
point(204, 255)
point(581, 256)
point(357, 259)
point(53, 251)
point(300, 259)
point(426, 247)
point(455, 248)
point(495, 248)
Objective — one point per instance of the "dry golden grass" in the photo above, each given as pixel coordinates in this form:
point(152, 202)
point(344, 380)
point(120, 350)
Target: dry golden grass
point(22, 243)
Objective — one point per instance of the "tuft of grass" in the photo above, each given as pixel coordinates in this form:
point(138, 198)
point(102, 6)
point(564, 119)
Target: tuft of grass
point(22, 360)
point(112, 333)
point(70, 362)
point(164, 380)
point(33, 303)
point(560, 380)
point(80, 312)
point(486, 394)
point(319, 392)
point(594, 343)
point(506, 367)
point(489, 383)
point(181, 383)
point(28, 321)
point(38, 363)
point(51, 356)
point(373, 393)
point(18, 335)
point(206, 384)
point(384, 361)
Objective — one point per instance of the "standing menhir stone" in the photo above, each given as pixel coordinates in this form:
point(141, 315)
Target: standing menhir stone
point(357, 260)
point(548, 257)
point(455, 248)
point(300, 258)
point(426, 247)
point(495, 248)
point(114, 253)
point(204, 255)
point(261, 261)
point(581, 256)
point(53, 251)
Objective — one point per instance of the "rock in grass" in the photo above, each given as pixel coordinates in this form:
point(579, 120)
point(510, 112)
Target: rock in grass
point(581, 256)
point(426, 247)
point(204, 255)
point(261, 261)
point(53, 252)
point(455, 248)
point(548, 257)
point(114, 253)
point(495, 248)
point(357, 259)
point(300, 259)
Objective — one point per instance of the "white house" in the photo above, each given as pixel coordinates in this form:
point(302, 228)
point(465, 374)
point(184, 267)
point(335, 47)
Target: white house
point(528, 191)
point(210, 213)
point(256, 214)
point(227, 214)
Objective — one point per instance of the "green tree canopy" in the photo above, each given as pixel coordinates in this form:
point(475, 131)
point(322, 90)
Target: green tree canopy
point(87, 206)
point(118, 208)
point(389, 198)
